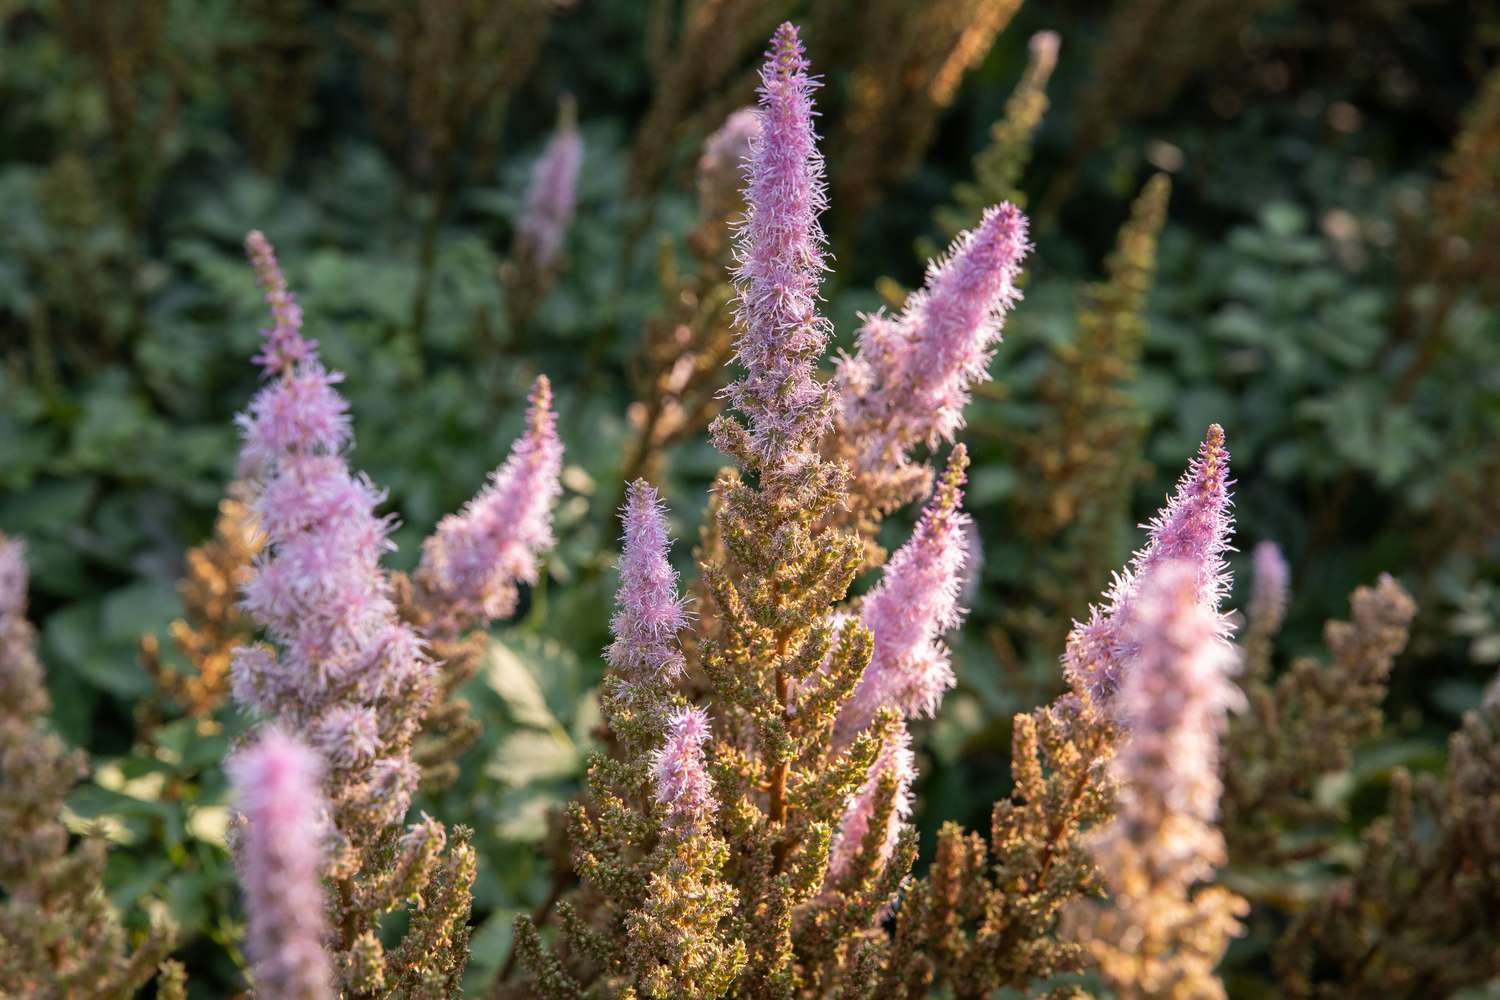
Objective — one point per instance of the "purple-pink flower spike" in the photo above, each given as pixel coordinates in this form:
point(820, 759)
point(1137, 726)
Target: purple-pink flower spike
point(648, 609)
point(911, 376)
point(553, 193)
point(721, 165)
point(1194, 527)
point(895, 759)
point(13, 576)
point(1269, 585)
point(1174, 700)
point(779, 254)
point(683, 785)
point(475, 558)
point(280, 855)
point(915, 602)
point(317, 587)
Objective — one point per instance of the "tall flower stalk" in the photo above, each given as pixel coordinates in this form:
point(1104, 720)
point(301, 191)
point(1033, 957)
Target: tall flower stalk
point(345, 674)
point(1163, 933)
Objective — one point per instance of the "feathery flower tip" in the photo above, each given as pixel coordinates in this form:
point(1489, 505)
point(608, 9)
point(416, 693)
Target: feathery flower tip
point(1194, 527)
point(277, 787)
point(1268, 594)
point(916, 601)
point(476, 557)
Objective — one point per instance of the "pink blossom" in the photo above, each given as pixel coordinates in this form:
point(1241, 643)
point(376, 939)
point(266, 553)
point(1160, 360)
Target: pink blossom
point(911, 375)
point(779, 254)
point(1174, 700)
point(683, 785)
point(342, 657)
point(722, 164)
point(648, 609)
point(915, 602)
point(475, 558)
point(551, 198)
point(897, 761)
point(1193, 527)
point(1269, 585)
point(12, 578)
point(280, 854)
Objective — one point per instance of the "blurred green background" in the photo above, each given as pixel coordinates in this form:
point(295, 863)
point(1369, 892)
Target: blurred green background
point(385, 148)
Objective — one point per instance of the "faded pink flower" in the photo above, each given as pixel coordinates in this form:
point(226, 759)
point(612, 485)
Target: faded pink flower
point(897, 761)
point(780, 259)
point(1174, 700)
point(551, 198)
point(12, 578)
point(1194, 527)
point(475, 558)
point(1269, 585)
point(722, 164)
point(648, 609)
point(915, 602)
point(280, 855)
point(911, 375)
point(682, 781)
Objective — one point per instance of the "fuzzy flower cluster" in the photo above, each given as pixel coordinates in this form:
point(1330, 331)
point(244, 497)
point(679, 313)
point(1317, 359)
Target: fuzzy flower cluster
point(1194, 527)
point(277, 784)
point(721, 165)
point(472, 562)
point(1174, 700)
point(1270, 584)
point(1160, 937)
point(649, 611)
point(779, 264)
point(915, 602)
point(683, 785)
point(318, 588)
point(12, 578)
point(911, 376)
point(552, 195)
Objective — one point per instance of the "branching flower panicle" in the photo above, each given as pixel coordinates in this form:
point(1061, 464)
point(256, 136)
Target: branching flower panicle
point(474, 560)
point(552, 195)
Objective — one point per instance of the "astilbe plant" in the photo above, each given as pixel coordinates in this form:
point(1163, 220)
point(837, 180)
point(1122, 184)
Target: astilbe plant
point(1162, 933)
point(1416, 917)
point(987, 914)
point(551, 199)
point(60, 936)
point(280, 848)
point(1303, 725)
point(347, 676)
point(910, 377)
